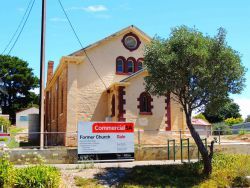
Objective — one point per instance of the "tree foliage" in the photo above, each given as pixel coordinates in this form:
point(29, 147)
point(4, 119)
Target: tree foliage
point(231, 121)
point(200, 116)
point(196, 70)
point(247, 119)
point(17, 81)
point(5, 123)
point(227, 110)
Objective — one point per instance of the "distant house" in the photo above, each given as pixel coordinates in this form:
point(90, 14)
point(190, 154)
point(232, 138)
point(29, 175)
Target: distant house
point(25, 117)
point(202, 127)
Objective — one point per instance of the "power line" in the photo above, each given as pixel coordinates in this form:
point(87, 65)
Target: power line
point(81, 44)
point(22, 27)
point(18, 27)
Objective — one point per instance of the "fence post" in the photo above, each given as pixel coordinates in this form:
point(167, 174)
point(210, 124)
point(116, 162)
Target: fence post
point(188, 150)
point(219, 136)
point(139, 139)
point(168, 150)
point(174, 150)
point(198, 154)
point(139, 143)
point(181, 152)
point(180, 134)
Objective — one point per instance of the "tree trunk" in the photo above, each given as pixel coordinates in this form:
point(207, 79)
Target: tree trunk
point(206, 156)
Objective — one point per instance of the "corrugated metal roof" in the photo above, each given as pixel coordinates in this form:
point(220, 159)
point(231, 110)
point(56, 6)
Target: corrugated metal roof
point(200, 122)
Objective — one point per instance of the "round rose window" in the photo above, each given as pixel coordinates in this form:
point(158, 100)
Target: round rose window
point(131, 41)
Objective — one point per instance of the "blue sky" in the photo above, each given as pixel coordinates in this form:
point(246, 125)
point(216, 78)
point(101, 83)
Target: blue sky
point(96, 19)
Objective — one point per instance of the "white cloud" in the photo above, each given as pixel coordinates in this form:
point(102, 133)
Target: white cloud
point(57, 19)
point(244, 104)
point(95, 8)
point(92, 8)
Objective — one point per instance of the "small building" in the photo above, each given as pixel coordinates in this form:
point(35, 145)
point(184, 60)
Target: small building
point(23, 117)
point(203, 127)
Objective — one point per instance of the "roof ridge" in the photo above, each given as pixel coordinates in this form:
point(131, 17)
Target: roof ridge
point(110, 36)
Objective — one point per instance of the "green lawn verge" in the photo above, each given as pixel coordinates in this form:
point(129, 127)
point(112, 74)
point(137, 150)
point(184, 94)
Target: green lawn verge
point(228, 171)
point(86, 182)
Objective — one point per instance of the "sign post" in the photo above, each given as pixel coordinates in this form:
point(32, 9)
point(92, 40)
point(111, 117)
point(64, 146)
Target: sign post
point(105, 141)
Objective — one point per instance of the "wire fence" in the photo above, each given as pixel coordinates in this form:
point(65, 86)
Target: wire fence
point(142, 138)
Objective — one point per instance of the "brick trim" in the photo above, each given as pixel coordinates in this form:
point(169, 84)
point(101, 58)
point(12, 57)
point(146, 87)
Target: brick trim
point(113, 106)
point(133, 35)
point(124, 64)
point(149, 105)
point(168, 112)
point(121, 103)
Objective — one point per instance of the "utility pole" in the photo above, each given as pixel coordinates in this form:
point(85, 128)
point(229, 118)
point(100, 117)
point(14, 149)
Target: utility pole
point(42, 60)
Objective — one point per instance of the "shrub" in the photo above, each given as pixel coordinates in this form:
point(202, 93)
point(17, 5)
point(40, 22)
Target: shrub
point(85, 182)
point(5, 123)
point(232, 121)
point(7, 171)
point(242, 132)
point(229, 171)
point(222, 128)
point(38, 176)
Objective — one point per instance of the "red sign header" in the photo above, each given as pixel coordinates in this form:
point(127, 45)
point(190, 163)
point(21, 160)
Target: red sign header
point(113, 127)
point(4, 134)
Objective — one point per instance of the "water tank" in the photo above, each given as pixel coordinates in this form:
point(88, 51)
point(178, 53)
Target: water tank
point(34, 129)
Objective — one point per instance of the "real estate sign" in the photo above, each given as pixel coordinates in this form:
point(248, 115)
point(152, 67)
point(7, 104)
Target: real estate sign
point(105, 141)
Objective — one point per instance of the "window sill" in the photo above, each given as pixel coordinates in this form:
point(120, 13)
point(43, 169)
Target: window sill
point(123, 73)
point(146, 113)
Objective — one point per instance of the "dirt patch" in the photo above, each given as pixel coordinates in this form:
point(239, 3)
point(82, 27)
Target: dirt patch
point(108, 177)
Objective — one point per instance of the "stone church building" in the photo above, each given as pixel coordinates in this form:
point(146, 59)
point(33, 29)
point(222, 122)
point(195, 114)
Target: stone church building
point(75, 92)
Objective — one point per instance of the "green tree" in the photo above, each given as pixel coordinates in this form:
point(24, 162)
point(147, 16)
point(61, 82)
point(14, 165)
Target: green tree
point(196, 70)
point(17, 81)
point(200, 116)
point(247, 119)
point(4, 123)
point(227, 110)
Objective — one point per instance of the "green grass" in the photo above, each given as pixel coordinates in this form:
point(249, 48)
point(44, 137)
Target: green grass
point(228, 171)
point(186, 175)
point(86, 182)
point(15, 130)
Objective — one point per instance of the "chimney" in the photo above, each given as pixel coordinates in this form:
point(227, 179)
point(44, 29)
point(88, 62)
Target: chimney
point(50, 71)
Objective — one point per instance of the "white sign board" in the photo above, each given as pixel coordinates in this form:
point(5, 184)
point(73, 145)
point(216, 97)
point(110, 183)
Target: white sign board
point(105, 140)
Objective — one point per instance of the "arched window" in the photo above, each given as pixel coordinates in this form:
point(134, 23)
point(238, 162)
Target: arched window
point(145, 106)
point(130, 66)
point(120, 64)
point(139, 64)
point(113, 106)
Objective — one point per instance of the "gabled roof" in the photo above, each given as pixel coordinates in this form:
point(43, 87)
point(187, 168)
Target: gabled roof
point(129, 28)
point(134, 75)
point(199, 122)
point(26, 109)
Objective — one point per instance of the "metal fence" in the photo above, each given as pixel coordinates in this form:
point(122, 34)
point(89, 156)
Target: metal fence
point(142, 138)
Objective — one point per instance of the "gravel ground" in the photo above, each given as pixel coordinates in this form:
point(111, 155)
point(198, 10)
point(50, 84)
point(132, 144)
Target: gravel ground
point(107, 174)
